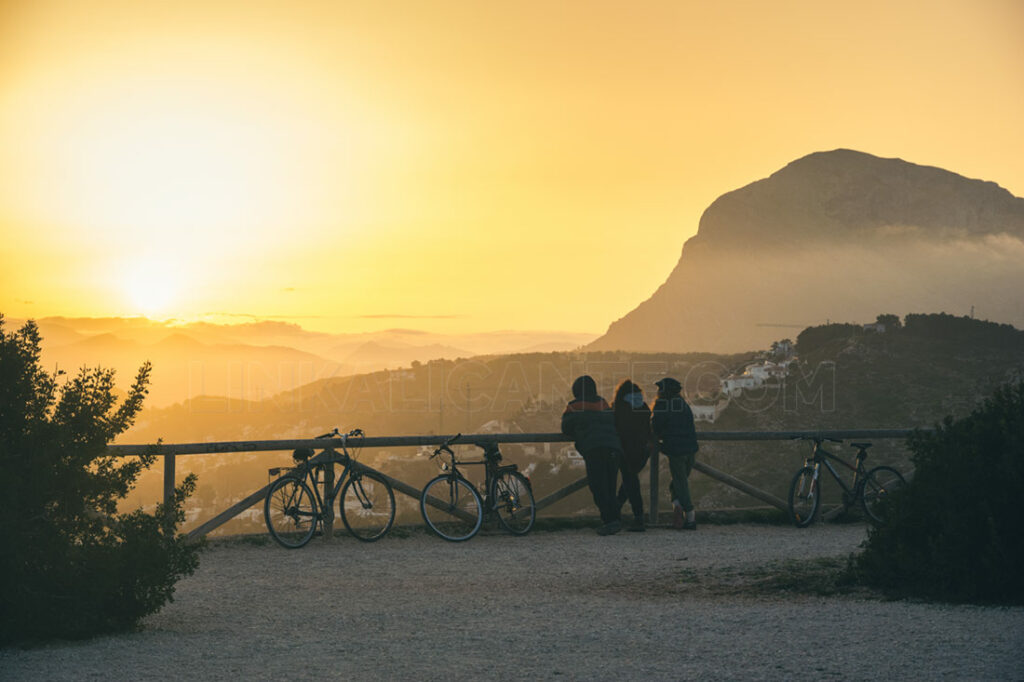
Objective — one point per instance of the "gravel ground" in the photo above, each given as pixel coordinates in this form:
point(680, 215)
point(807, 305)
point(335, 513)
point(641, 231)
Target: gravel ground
point(559, 605)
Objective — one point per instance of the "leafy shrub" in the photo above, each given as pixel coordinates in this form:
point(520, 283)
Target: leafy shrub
point(71, 566)
point(956, 532)
point(814, 338)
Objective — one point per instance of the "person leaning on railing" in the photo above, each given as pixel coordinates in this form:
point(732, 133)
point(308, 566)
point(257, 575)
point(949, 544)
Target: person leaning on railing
point(590, 422)
point(633, 422)
point(672, 423)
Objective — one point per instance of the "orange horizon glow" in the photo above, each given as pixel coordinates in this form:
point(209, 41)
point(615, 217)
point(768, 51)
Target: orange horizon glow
point(465, 166)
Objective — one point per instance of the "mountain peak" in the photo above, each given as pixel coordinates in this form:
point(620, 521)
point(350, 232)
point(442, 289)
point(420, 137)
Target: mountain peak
point(836, 234)
point(845, 194)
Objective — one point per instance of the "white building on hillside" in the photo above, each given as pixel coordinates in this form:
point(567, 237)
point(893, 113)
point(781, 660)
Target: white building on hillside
point(735, 384)
point(708, 413)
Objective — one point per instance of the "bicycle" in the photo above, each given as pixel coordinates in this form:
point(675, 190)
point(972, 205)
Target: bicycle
point(452, 506)
point(294, 507)
point(869, 488)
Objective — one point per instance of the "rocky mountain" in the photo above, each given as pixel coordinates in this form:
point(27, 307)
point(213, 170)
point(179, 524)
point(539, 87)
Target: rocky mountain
point(834, 235)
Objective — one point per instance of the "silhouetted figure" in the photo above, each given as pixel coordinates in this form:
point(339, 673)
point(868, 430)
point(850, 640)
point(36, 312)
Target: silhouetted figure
point(633, 422)
point(672, 423)
point(590, 422)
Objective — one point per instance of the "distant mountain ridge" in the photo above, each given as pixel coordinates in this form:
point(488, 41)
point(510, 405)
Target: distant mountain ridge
point(250, 361)
point(834, 235)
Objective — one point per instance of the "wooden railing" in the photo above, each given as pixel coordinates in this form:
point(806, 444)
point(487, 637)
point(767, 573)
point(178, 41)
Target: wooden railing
point(170, 451)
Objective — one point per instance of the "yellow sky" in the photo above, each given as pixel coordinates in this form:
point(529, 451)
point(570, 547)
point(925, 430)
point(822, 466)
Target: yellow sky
point(483, 165)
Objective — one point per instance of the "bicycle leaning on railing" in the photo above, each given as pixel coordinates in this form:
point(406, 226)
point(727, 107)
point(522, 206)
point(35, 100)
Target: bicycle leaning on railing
point(452, 506)
point(868, 489)
point(294, 508)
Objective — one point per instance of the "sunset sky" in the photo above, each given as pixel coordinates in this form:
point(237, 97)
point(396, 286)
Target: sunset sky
point(450, 166)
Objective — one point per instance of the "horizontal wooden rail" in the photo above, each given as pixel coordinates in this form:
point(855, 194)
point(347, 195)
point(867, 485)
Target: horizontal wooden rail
point(467, 439)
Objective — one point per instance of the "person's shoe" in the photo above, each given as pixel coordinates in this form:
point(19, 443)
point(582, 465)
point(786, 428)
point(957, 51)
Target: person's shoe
point(689, 525)
point(610, 528)
point(677, 518)
point(637, 526)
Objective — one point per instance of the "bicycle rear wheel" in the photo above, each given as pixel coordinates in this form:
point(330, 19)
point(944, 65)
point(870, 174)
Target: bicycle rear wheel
point(290, 512)
point(513, 501)
point(804, 497)
point(367, 506)
point(879, 483)
point(452, 508)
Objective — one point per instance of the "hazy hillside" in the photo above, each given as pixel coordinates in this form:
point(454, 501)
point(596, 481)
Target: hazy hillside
point(837, 234)
point(184, 367)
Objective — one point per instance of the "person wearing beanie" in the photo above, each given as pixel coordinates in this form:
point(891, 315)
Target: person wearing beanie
point(633, 422)
point(590, 422)
point(672, 423)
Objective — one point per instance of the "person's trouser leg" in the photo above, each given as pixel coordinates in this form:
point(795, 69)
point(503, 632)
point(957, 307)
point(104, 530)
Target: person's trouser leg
point(602, 486)
point(614, 508)
point(680, 466)
point(631, 490)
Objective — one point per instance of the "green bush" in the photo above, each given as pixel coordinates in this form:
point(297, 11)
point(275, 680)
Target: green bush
point(70, 565)
point(956, 533)
point(813, 338)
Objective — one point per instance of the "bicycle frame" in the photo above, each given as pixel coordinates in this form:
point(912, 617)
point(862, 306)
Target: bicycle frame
point(492, 455)
point(310, 470)
point(822, 456)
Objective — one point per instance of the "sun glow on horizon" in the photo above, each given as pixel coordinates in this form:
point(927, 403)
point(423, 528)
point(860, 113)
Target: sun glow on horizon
point(152, 287)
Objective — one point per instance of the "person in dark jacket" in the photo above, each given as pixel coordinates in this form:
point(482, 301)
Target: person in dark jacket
point(672, 423)
point(633, 423)
point(590, 422)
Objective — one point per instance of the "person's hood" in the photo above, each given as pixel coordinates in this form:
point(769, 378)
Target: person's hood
point(585, 388)
point(669, 386)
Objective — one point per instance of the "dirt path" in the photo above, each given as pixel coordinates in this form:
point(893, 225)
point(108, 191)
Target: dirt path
point(552, 605)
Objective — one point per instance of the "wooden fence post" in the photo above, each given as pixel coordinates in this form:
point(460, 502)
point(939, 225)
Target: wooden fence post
point(169, 492)
point(654, 464)
point(328, 510)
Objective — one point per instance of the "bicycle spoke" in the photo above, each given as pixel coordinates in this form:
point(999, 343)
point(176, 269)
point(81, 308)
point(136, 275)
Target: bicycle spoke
point(451, 508)
point(367, 506)
point(290, 512)
point(514, 502)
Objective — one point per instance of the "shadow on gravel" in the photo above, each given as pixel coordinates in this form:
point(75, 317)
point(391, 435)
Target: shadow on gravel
point(819, 577)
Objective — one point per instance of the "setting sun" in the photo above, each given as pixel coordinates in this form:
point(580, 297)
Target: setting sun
point(152, 288)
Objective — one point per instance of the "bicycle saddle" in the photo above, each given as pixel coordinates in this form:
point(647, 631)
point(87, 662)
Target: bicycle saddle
point(302, 454)
point(860, 446)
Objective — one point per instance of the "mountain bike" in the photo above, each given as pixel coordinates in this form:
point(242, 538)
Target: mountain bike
point(452, 506)
point(869, 488)
point(294, 508)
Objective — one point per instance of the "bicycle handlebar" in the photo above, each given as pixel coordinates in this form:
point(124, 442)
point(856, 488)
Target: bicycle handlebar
point(444, 446)
point(354, 433)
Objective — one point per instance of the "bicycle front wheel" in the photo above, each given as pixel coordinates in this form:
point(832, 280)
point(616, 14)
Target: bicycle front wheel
point(452, 508)
point(804, 497)
point(367, 506)
point(513, 500)
point(879, 483)
point(290, 512)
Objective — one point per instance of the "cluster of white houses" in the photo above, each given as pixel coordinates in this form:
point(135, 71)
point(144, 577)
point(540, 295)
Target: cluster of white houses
point(753, 376)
